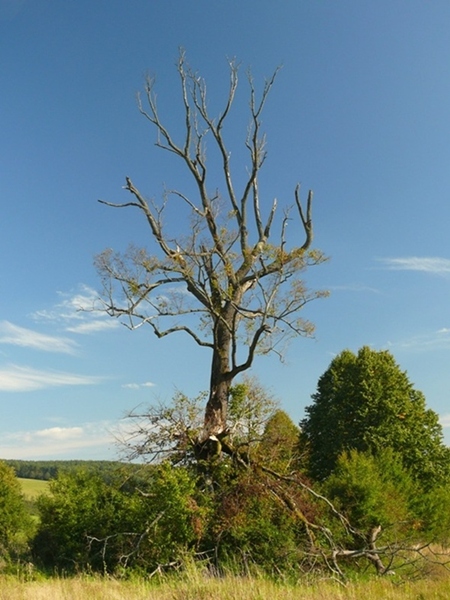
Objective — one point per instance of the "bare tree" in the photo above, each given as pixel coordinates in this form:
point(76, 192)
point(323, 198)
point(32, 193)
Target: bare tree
point(232, 275)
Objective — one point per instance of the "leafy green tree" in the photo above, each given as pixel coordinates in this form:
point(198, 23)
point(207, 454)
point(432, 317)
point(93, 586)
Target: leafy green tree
point(251, 405)
point(366, 402)
point(279, 442)
point(15, 522)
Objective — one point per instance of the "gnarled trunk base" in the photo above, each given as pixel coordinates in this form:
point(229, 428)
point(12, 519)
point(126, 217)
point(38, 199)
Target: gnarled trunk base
point(215, 423)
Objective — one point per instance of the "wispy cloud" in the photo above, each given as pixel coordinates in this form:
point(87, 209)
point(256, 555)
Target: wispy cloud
point(444, 420)
point(15, 378)
point(56, 441)
point(28, 338)
point(354, 287)
point(92, 326)
point(138, 386)
point(434, 340)
point(78, 312)
point(433, 265)
point(71, 305)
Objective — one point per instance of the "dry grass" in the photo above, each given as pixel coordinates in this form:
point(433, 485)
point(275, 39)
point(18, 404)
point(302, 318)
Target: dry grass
point(199, 588)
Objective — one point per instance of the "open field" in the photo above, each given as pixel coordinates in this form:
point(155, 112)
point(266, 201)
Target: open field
point(32, 488)
point(217, 589)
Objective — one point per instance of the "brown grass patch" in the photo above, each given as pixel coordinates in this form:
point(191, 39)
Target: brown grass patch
point(196, 587)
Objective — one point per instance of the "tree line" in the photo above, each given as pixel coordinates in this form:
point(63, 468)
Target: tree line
point(49, 469)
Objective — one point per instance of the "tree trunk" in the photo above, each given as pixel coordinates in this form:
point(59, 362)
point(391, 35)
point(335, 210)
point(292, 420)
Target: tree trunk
point(215, 422)
point(216, 407)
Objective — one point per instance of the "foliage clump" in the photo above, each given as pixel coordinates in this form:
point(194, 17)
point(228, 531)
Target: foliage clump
point(16, 525)
point(365, 402)
point(90, 523)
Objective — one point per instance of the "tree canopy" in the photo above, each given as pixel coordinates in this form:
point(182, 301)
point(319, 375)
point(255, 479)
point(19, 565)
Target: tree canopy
point(365, 402)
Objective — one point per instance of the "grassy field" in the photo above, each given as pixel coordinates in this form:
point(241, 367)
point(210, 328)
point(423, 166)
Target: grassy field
point(218, 589)
point(32, 488)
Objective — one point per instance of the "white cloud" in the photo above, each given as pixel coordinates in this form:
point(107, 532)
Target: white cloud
point(71, 305)
point(92, 326)
point(78, 312)
point(56, 441)
point(60, 433)
point(445, 420)
point(14, 378)
point(27, 338)
point(434, 340)
point(138, 386)
point(433, 265)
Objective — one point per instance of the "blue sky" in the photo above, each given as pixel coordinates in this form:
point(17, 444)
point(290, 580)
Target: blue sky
point(360, 113)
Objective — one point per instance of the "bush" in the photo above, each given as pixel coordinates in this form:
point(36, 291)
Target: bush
point(373, 491)
point(252, 527)
point(87, 522)
point(15, 523)
point(433, 514)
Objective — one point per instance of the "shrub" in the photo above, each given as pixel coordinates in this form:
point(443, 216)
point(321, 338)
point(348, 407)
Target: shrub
point(373, 491)
point(15, 523)
point(87, 522)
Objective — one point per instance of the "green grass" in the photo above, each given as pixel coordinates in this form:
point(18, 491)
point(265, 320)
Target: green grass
point(32, 488)
point(228, 588)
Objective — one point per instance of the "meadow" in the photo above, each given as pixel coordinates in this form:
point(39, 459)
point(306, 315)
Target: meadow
point(197, 587)
point(32, 488)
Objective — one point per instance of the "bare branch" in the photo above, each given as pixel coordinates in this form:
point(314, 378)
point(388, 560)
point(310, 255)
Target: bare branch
point(251, 351)
point(306, 219)
point(188, 202)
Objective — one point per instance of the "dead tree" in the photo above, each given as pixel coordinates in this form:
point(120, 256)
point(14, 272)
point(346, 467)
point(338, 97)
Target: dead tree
point(231, 271)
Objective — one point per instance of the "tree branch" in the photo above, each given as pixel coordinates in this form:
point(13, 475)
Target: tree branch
point(306, 219)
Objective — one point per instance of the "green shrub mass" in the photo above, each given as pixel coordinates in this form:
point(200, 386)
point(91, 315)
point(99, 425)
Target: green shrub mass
point(362, 485)
point(90, 523)
point(365, 402)
point(16, 525)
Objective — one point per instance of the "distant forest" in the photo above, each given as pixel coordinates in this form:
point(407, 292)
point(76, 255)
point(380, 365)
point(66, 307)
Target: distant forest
point(49, 469)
